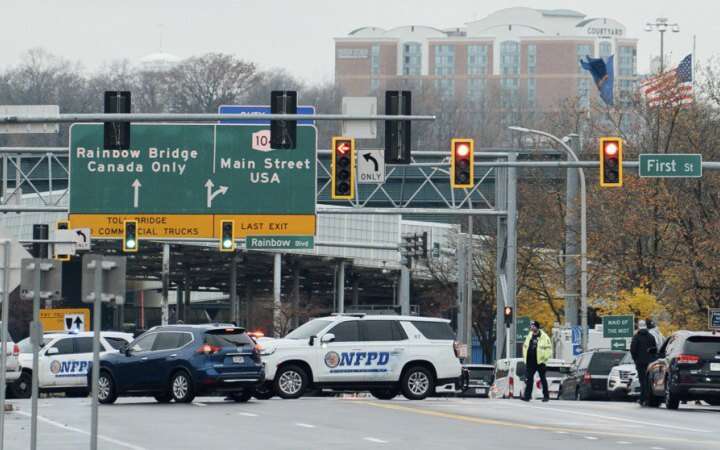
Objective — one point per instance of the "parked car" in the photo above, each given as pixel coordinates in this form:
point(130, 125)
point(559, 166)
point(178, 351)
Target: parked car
point(64, 360)
point(178, 362)
point(588, 375)
point(687, 368)
point(509, 378)
point(556, 370)
point(621, 377)
point(477, 380)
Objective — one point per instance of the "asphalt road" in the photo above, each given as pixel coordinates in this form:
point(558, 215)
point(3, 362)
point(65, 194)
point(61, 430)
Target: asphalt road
point(365, 423)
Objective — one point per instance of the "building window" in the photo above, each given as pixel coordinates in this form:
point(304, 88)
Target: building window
point(532, 93)
point(510, 58)
point(476, 88)
point(445, 87)
point(352, 53)
point(583, 92)
point(532, 58)
point(412, 58)
point(375, 60)
point(374, 84)
point(581, 51)
point(444, 60)
point(605, 49)
point(628, 62)
point(477, 59)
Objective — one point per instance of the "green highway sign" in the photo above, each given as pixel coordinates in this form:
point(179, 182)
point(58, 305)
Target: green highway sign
point(522, 328)
point(279, 242)
point(618, 344)
point(671, 165)
point(618, 326)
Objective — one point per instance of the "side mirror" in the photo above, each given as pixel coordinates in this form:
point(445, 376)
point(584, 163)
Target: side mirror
point(52, 351)
point(329, 337)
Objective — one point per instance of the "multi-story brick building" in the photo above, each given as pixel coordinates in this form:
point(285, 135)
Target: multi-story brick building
point(522, 53)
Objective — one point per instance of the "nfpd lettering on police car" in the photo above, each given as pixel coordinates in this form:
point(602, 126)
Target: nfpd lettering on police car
point(357, 362)
point(62, 369)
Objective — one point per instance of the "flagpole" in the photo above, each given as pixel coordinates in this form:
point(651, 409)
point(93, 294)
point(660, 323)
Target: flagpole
point(694, 62)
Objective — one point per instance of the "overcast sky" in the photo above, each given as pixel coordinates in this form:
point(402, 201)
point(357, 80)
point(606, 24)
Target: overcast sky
point(296, 34)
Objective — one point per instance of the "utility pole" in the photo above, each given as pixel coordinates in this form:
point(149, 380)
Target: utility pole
point(571, 245)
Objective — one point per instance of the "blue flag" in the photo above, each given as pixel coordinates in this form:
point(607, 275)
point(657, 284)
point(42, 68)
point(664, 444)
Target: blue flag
point(603, 74)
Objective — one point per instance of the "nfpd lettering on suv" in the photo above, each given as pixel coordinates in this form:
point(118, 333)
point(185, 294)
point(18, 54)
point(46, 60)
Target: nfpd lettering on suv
point(386, 355)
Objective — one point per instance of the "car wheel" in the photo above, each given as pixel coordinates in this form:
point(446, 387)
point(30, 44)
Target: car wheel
point(671, 400)
point(290, 382)
point(163, 398)
point(22, 387)
point(417, 383)
point(107, 394)
point(241, 397)
point(181, 387)
point(385, 394)
point(264, 391)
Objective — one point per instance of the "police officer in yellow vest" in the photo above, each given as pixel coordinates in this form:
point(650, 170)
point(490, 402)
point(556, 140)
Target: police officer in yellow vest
point(537, 350)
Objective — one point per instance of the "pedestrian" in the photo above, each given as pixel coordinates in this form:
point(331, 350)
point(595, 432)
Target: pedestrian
point(656, 333)
point(643, 349)
point(537, 351)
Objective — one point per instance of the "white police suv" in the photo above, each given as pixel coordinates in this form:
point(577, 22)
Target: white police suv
point(386, 355)
point(64, 361)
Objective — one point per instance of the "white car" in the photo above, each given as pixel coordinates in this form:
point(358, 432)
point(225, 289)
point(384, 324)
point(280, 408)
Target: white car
point(384, 354)
point(64, 361)
point(555, 371)
point(509, 378)
point(12, 363)
point(620, 379)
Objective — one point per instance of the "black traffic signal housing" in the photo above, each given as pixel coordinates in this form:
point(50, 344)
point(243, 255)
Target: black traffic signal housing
point(343, 168)
point(611, 157)
point(130, 236)
point(62, 225)
point(117, 134)
point(283, 133)
point(397, 132)
point(423, 244)
point(462, 163)
point(407, 250)
point(227, 236)
point(508, 316)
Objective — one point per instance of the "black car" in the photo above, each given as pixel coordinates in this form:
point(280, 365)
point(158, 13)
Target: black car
point(178, 362)
point(477, 380)
point(687, 368)
point(587, 377)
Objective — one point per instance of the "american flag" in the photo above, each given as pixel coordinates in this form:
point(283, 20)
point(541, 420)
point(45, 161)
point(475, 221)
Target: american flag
point(672, 88)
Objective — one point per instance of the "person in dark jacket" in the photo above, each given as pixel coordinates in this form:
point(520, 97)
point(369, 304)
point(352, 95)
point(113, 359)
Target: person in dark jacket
point(643, 349)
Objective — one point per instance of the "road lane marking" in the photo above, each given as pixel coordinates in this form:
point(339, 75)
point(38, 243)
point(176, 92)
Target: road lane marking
point(623, 442)
point(592, 438)
point(78, 430)
point(375, 440)
point(304, 425)
point(505, 423)
point(198, 404)
point(247, 414)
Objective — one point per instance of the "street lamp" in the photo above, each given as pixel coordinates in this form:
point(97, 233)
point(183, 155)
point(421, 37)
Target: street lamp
point(583, 229)
point(661, 25)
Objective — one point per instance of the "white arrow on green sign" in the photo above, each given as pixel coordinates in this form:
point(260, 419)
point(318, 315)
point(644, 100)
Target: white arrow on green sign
point(670, 165)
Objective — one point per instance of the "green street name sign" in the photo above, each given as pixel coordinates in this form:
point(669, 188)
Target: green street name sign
point(618, 344)
point(279, 242)
point(618, 326)
point(671, 165)
point(522, 328)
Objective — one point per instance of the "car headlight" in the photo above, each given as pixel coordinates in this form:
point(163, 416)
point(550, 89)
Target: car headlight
point(266, 351)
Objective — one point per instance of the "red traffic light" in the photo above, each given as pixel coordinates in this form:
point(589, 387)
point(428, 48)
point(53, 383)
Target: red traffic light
point(611, 157)
point(508, 311)
point(343, 168)
point(343, 146)
point(462, 149)
point(461, 163)
point(611, 148)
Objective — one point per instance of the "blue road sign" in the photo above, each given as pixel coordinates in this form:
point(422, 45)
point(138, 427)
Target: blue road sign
point(577, 340)
point(259, 109)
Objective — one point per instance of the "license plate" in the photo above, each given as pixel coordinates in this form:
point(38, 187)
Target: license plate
point(238, 359)
point(480, 391)
point(715, 367)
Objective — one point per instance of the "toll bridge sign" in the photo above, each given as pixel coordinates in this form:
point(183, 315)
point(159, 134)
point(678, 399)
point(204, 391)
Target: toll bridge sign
point(181, 180)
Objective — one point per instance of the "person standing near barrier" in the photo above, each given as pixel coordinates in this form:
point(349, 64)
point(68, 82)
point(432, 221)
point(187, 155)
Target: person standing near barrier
point(537, 351)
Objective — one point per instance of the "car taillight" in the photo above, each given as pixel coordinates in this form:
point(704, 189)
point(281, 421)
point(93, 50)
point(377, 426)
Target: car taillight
point(208, 349)
point(537, 383)
point(687, 359)
point(16, 350)
point(511, 385)
point(587, 378)
point(456, 348)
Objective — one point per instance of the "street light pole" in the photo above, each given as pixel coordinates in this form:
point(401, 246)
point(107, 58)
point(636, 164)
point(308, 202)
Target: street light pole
point(661, 25)
point(583, 230)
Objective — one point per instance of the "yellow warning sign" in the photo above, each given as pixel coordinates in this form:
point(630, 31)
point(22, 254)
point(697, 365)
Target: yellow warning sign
point(65, 319)
point(194, 226)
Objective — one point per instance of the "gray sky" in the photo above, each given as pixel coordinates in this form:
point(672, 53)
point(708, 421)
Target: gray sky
point(295, 34)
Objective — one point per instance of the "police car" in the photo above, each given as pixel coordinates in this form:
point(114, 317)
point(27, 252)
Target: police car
point(386, 355)
point(64, 361)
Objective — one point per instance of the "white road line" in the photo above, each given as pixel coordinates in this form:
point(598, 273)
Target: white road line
point(623, 442)
point(561, 432)
point(198, 404)
point(375, 440)
point(304, 425)
point(78, 430)
point(657, 448)
point(591, 438)
point(247, 414)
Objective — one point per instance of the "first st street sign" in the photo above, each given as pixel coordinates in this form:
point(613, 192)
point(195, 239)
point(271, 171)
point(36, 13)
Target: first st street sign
point(181, 181)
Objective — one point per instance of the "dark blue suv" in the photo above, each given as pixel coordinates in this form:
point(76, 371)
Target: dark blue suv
point(178, 362)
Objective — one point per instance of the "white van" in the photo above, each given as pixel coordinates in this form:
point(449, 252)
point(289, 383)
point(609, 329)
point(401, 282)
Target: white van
point(509, 378)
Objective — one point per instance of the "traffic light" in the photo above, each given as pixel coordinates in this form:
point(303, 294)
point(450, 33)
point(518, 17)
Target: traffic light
point(130, 236)
point(424, 245)
point(611, 162)
point(283, 133)
point(462, 163)
point(62, 225)
point(407, 250)
point(508, 316)
point(397, 132)
point(117, 134)
point(227, 238)
point(343, 168)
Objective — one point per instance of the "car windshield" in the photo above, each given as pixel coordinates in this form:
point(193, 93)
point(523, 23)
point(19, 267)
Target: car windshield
point(308, 329)
point(26, 346)
point(603, 362)
point(705, 347)
point(484, 374)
